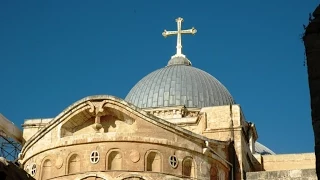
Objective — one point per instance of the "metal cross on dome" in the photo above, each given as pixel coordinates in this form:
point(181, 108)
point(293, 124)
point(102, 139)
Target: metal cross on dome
point(179, 32)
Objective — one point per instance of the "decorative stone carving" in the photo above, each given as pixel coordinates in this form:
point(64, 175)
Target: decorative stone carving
point(192, 114)
point(134, 156)
point(97, 108)
point(59, 162)
point(177, 112)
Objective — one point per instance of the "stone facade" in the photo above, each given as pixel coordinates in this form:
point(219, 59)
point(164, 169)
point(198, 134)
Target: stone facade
point(106, 137)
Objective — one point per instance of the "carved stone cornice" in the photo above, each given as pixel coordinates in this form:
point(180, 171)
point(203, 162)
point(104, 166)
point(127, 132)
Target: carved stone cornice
point(174, 112)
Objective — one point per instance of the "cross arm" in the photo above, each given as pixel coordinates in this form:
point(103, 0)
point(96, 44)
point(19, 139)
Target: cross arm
point(168, 33)
point(189, 31)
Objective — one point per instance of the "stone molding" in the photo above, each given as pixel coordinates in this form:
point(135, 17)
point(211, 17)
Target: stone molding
point(174, 112)
point(94, 174)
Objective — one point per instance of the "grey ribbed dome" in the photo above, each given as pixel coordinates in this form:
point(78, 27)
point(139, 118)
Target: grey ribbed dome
point(179, 84)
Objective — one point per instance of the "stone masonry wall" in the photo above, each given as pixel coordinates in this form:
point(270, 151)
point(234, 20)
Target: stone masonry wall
point(288, 161)
point(301, 174)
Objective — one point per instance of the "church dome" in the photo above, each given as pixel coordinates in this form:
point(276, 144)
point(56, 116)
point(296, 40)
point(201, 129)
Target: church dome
point(179, 84)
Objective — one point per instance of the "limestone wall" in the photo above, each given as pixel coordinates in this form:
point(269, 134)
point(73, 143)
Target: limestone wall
point(132, 157)
point(288, 161)
point(301, 174)
point(228, 123)
point(125, 141)
point(32, 126)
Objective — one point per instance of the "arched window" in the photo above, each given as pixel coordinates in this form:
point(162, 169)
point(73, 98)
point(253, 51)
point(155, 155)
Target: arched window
point(221, 174)
point(114, 160)
point(153, 162)
point(188, 167)
point(213, 173)
point(46, 169)
point(74, 164)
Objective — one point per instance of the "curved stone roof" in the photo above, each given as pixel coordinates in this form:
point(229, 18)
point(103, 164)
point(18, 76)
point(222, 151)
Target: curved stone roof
point(263, 150)
point(179, 84)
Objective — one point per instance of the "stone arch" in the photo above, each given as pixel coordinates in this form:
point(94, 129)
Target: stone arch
point(46, 169)
point(114, 160)
point(79, 116)
point(132, 176)
point(221, 174)
point(73, 164)
point(189, 167)
point(153, 161)
point(214, 173)
point(93, 176)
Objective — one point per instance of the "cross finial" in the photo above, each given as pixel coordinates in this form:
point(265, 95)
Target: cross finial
point(179, 32)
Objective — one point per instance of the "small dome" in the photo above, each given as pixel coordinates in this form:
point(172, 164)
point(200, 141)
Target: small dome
point(263, 150)
point(179, 85)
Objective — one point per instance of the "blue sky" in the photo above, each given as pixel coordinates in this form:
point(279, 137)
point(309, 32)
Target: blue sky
point(53, 53)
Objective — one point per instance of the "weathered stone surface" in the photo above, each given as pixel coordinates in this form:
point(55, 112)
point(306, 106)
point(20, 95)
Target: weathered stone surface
point(125, 137)
point(301, 174)
point(128, 141)
point(288, 161)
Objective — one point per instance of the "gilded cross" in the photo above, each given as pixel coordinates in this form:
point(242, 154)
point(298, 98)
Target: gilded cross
point(179, 32)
